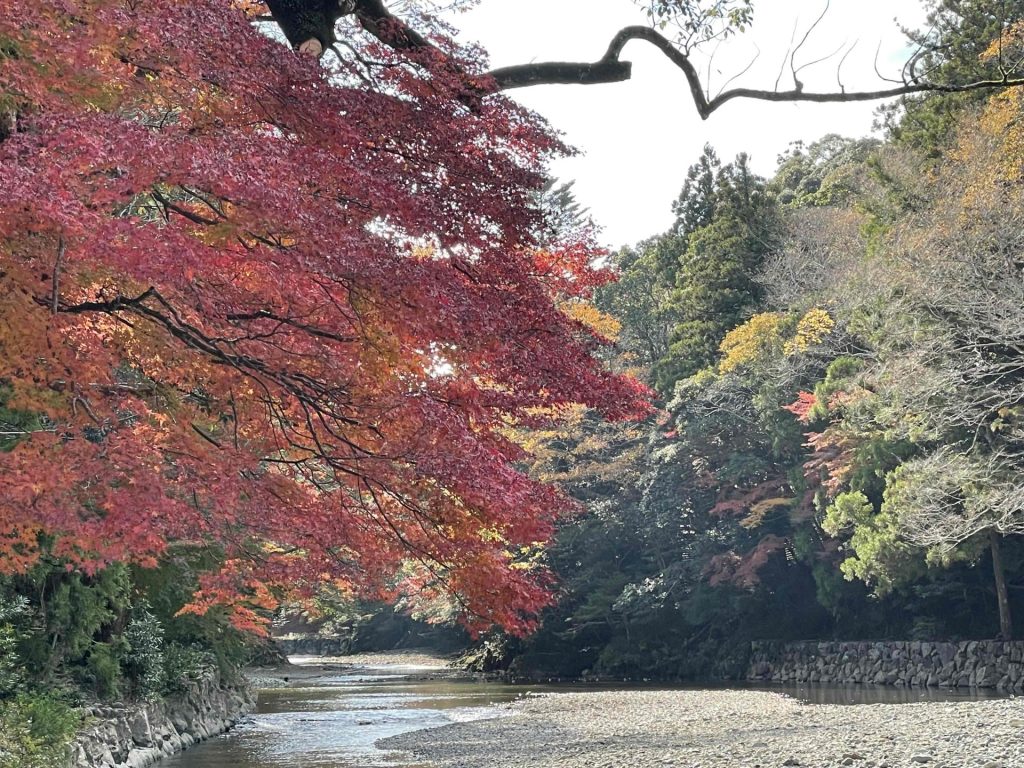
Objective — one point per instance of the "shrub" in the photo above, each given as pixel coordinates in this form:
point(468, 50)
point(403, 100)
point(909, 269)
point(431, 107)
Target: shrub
point(183, 664)
point(144, 661)
point(11, 668)
point(35, 731)
point(103, 670)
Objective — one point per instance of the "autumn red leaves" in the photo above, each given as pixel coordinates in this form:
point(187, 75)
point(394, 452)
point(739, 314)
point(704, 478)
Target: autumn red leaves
point(295, 312)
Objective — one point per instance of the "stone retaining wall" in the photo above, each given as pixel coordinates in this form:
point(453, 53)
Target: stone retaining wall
point(975, 663)
point(313, 645)
point(136, 736)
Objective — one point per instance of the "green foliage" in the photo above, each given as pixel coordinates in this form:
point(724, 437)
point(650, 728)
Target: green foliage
point(13, 611)
point(638, 300)
point(144, 658)
point(98, 636)
point(701, 21)
point(728, 226)
point(828, 172)
point(169, 587)
point(102, 672)
point(81, 617)
point(184, 664)
point(695, 207)
point(15, 424)
point(880, 557)
point(835, 450)
point(35, 731)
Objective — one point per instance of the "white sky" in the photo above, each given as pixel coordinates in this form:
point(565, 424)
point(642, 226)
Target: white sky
point(639, 137)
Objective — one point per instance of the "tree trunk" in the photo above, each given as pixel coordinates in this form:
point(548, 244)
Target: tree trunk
point(1005, 620)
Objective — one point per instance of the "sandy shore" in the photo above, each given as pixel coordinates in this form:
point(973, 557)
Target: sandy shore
point(724, 729)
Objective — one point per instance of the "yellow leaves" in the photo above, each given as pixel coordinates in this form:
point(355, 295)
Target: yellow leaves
point(810, 330)
point(768, 332)
point(529, 557)
point(1001, 121)
point(761, 509)
point(1007, 46)
point(745, 343)
point(596, 320)
point(492, 534)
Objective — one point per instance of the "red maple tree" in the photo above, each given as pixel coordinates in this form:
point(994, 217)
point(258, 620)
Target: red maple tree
point(280, 308)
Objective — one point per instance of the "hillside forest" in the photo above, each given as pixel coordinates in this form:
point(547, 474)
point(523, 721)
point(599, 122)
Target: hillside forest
point(836, 351)
point(272, 345)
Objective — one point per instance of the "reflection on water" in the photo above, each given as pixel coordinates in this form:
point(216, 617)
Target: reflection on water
point(332, 721)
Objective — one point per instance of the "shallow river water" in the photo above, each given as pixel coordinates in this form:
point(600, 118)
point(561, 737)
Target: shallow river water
point(333, 720)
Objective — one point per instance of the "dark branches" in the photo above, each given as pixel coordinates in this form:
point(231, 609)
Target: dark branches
point(610, 69)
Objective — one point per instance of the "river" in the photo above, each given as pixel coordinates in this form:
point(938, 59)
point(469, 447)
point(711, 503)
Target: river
point(331, 716)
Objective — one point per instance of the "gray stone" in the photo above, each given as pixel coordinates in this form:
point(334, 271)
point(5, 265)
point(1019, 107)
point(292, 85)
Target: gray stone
point(142, 735)
point(137, 736)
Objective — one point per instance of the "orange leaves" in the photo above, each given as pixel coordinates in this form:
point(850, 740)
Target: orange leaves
point(802, 406)
point(603, 325)
point(250, 7)
point(744, 571)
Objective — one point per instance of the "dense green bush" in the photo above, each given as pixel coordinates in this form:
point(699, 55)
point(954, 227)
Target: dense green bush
point(12, 674)
point(144, 660)
point(35, 730)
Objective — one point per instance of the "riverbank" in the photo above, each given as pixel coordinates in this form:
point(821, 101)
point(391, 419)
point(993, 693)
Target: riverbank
point(138, 735)
point(723, 729)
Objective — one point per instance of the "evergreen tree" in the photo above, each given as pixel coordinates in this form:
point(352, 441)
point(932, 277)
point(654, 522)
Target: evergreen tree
point(715, 286)
point(695, 206)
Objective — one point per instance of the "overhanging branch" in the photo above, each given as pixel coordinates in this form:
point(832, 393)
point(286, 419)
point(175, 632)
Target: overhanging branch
point(374, 17)
point(611, 69)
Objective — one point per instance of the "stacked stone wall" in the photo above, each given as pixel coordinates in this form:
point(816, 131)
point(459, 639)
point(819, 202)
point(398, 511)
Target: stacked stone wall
point(313, 645)
point(969, 664)
point(137, 735)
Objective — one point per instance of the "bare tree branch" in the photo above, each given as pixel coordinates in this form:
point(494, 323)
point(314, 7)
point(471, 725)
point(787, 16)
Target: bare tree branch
point(792, 56)
point(610, 69)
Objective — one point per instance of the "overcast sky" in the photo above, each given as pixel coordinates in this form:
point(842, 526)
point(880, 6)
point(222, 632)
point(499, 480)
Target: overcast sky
point(637, 138)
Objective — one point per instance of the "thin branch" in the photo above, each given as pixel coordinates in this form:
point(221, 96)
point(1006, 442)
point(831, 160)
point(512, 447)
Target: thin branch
point(792, 57)
point(742, 72)
point(55, 294)
point(206, 436)
point(878, 72)
point(839, 68)
point(785, 56)
point(802, 67)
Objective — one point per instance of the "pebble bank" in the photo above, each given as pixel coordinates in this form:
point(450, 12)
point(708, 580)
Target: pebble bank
point(724, 729)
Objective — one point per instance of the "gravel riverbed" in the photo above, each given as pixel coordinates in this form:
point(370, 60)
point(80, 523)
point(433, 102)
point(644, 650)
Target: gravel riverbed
point(723, 729)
